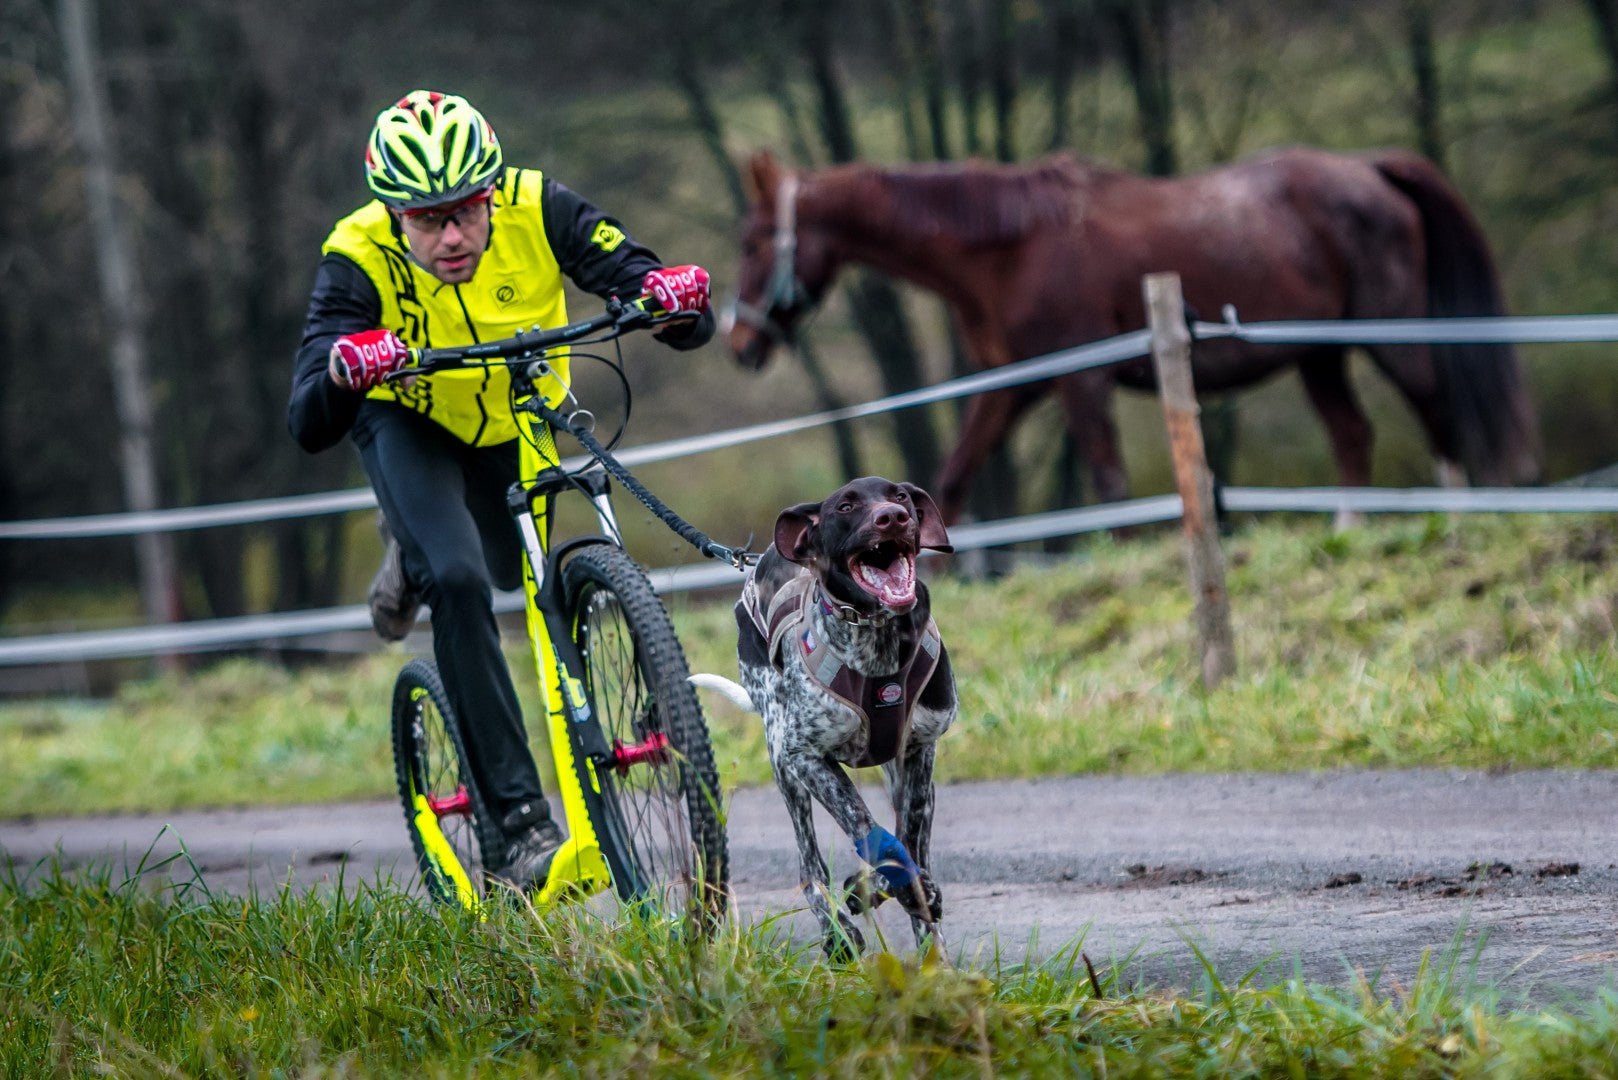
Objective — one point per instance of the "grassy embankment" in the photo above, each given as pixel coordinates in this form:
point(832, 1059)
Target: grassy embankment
point(1482, 643)
point(102, 977)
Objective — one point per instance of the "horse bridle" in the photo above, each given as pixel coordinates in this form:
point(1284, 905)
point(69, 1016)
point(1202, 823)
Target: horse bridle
point(784, 290)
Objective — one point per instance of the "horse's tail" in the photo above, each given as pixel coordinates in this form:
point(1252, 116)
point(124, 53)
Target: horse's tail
point(1494, 422)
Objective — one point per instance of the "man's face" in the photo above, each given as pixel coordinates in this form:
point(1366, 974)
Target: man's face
point(448, 241)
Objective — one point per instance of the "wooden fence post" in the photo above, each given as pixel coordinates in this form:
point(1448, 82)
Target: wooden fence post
point(1171, 354)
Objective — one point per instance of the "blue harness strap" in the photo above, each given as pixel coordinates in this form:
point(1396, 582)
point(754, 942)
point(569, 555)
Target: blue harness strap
point(889, 858)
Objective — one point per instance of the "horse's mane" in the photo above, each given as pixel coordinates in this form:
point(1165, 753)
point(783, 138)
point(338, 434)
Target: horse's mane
point(975, 203)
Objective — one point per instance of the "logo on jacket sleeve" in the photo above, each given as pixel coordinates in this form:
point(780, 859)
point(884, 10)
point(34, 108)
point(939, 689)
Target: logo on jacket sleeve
point(607, 236)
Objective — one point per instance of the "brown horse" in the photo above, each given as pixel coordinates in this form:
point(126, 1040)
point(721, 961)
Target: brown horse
point(1037, 258)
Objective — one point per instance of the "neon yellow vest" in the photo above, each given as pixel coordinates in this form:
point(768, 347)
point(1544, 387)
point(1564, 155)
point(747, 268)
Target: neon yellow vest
point(518, 285)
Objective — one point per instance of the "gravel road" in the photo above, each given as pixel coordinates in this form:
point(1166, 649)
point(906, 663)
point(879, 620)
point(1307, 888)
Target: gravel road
point(1336, 871)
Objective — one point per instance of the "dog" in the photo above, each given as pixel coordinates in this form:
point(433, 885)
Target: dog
point(840, 656)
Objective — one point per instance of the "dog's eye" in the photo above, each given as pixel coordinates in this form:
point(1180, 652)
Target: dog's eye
point(844, 508)
point(903, 496)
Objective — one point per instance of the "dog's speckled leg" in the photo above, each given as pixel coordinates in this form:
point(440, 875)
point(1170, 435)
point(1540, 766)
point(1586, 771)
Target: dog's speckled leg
point(841, 939)
point(911, 785)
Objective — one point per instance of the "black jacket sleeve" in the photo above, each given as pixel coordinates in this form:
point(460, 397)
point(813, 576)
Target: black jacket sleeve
point(598, 253)
point(344, 301)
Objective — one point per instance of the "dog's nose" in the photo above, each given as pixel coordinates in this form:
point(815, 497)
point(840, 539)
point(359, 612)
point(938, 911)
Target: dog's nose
point(890, 515)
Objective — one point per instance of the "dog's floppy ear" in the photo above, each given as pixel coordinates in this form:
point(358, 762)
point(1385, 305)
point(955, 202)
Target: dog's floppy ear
point(792, 530)
point(933, 534)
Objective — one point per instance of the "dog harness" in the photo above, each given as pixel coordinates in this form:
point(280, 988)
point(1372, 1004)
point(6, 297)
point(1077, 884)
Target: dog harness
point(883, 702)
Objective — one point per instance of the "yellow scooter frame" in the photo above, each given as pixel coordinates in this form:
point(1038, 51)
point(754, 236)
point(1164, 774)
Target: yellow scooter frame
point(579, 868)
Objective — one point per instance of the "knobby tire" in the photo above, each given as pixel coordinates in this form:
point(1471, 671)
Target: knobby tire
point(429, 757)
point(662, 828)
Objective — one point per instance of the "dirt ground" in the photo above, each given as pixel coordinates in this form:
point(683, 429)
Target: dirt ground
point(1335, 872)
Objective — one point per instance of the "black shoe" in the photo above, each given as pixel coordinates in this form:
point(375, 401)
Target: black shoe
point(394, 601)
point(533, 839)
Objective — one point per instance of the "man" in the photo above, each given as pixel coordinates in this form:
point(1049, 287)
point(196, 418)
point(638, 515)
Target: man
point(458, 248)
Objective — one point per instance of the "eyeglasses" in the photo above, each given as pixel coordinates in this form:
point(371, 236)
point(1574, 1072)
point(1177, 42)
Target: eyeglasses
point(469, 211)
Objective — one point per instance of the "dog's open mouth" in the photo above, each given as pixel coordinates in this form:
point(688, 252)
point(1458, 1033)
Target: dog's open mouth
point(887, 572)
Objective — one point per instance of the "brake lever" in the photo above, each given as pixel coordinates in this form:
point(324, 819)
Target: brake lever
point(633, 316)
point(412, 368)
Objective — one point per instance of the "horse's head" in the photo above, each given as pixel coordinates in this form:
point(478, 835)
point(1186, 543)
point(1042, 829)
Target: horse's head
point(784, 268)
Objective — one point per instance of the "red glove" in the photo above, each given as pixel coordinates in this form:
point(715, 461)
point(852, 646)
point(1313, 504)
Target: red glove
point(679, 290)
point(361, 361)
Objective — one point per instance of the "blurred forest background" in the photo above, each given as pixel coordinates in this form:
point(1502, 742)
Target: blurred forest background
point(235, 131)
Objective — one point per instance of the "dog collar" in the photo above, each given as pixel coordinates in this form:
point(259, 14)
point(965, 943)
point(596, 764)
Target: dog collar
point(848, 613)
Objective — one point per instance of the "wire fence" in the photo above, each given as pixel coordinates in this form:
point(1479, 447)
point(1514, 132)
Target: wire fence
point(214, 634)
point(1096, 354)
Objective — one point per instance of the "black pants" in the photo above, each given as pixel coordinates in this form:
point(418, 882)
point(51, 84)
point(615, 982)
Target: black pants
point(446, 504)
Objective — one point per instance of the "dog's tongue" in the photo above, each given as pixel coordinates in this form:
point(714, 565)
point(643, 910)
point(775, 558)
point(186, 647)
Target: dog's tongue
point(895, 586)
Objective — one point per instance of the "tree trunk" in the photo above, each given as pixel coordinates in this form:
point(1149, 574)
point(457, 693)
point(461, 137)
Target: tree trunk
point(902, 71)
point(125, 317)
point(877, 311)
point(1143, 37)
point(776, 85)
point(848, 454)
point(218, 347)
point(10, 339)
point(1067, 32)
point(1003, 77)
point(1605, 13)
point(705, 118)
point(1424, 66)
point(881, 320)
point(266, 328)
point(835, 126)
point(968, 72)
point(929, 62)
point(826, 398)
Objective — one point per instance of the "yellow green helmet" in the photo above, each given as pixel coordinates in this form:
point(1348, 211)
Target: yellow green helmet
point(430, 148)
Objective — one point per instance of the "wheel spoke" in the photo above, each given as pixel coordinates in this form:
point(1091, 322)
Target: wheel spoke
point(650, 800)
point(658, 825)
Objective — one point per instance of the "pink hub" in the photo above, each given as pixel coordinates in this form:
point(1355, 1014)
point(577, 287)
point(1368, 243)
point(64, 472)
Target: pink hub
point(654, 751)
point(456, 805)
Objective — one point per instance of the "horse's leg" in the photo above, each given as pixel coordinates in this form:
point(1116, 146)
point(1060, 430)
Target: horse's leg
point(984, 428)
point(1411, 369)
point(1325, 379)
point(1087, 406)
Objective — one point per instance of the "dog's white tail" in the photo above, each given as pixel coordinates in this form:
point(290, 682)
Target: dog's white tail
point(734, 692)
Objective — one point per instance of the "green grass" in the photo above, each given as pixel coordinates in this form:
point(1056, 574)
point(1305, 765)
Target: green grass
point(106, 977)
point(1482, 642)
point(1486, 643)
